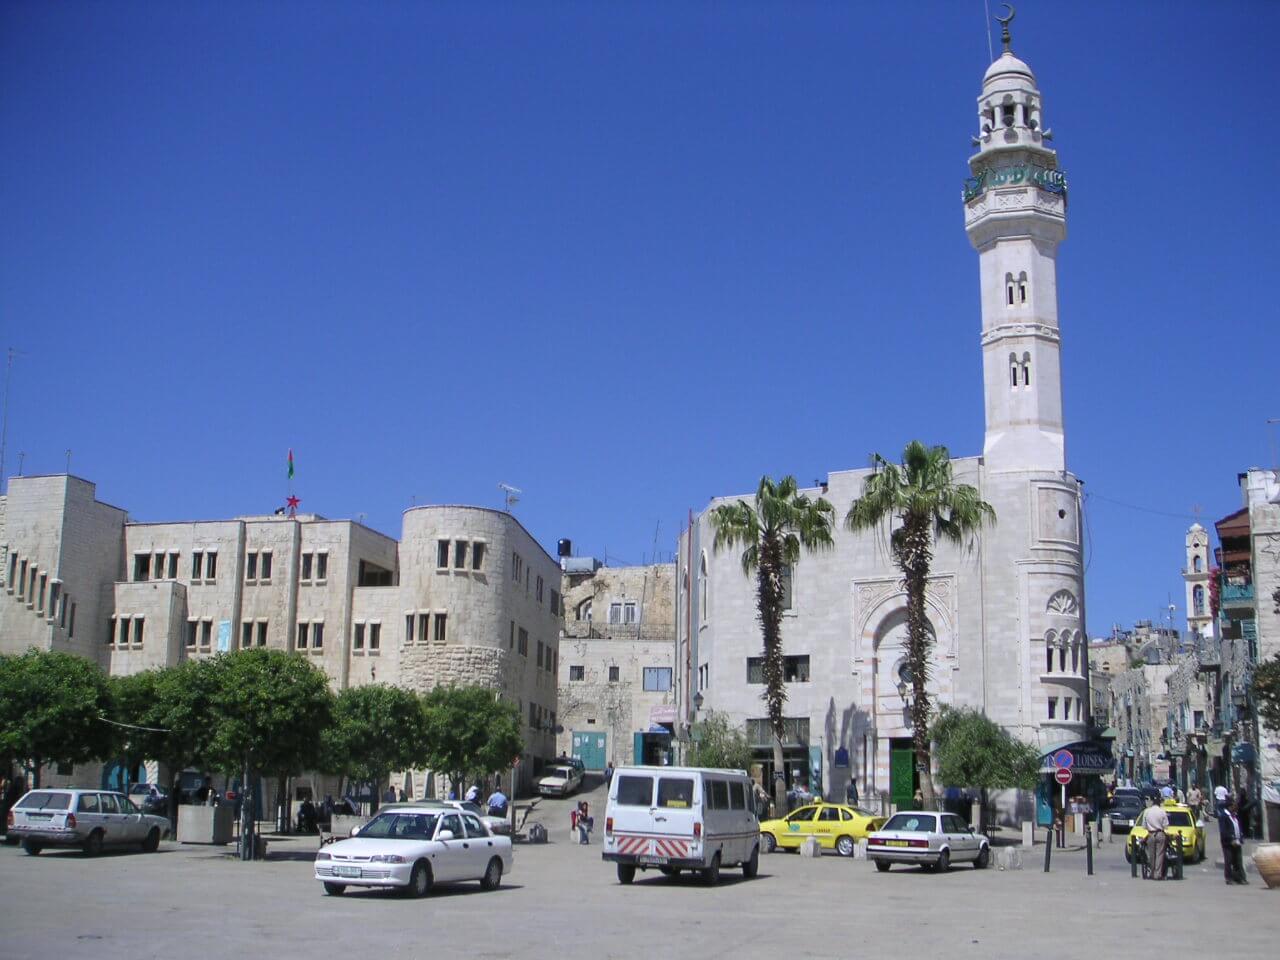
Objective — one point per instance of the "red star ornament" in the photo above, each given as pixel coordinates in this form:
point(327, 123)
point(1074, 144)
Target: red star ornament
point(292, 502)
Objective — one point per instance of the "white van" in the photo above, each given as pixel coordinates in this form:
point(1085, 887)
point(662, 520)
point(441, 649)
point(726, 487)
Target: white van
point(681, 818)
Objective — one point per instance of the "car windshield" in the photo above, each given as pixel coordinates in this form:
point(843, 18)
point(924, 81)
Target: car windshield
point(563, 773)
point(1178, 818)
point(912, 823)
point(45, 800)
point(400, 826)
point(472, 807)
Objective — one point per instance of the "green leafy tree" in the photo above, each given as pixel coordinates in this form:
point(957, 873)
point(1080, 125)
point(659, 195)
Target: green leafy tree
point(52, 710)
point(977, 753)
point(1266, 691)
point(920, 494)
point(717, 743)
point(132, 697)
point(469, 731)
point(376, 729)
point(269, 713)
point(773, 532)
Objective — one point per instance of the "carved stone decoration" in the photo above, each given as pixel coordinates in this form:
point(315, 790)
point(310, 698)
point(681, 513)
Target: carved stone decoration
point(1063, 603)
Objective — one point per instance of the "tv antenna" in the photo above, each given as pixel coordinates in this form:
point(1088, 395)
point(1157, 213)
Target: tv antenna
point(510, 494)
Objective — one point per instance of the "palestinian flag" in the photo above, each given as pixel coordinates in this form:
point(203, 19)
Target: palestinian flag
point(290, 463)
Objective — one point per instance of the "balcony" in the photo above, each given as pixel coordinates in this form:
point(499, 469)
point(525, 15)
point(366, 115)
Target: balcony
point(1236, 596)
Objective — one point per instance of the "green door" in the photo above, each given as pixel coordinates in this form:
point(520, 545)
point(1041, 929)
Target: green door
point(902, 774)
point(590, 749)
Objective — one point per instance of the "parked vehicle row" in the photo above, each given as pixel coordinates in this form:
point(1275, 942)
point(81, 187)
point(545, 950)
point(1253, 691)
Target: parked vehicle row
point(836, 826)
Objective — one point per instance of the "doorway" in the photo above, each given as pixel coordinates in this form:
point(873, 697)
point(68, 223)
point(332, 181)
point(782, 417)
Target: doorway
point(902, 773)
point(590, 749)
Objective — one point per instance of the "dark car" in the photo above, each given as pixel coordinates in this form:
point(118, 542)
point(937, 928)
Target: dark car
point(1126, 808)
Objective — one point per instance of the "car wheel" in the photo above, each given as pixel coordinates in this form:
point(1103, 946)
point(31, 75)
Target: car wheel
point(770, 842)
point(883, 866)
point(32, 849)
point(626, 873)
point(844, 846)
point(420, 880)
point(492, 878)
point(984, 858)
point(751, 866)
point(944, 861)
point(1128, 853)
point(711, 874)
point(93, 844)
point(152, 843)
point(335, 889)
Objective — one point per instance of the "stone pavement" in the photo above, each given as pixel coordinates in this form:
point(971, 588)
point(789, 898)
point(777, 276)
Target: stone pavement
point(563, 902)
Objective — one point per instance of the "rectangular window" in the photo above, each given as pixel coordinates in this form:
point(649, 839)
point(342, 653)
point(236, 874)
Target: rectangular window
point(173, 566)
point(1053, 707)
point(538, 590)
point(511, 639)
point(615, 613)
point(578, 672)
point(375, 637)
point(62, 613)
point(71, 622)
point(139, 630)
point(424, 620)
point(357, 636)
point(629, 612)
point(301, 643)
point(737, 795)
point(322, 567)
point(193, 628)
point(246, 635)
point(264, 565)
point(141, 567)
point(306, 567)
point(111, 632)
point(13, 570)
point(657, 678)
point(442, 554)
point(477, 556)
point(460, 554)
point(539, 655)
point(408, 629)
point(54, 589)
point(613, 674)
point(718, 795)
point(22, 580)
point(251, 566)
point(197, 565)
point(123, 639)
point(675, 792)
point(317, 636)
point(159, 566)
point(555, 603)
point(44, 580)
point(206, 634)
point(211, 565)
point(634, 791)
point(262, 633)
point(523, 646)
point(442, 625)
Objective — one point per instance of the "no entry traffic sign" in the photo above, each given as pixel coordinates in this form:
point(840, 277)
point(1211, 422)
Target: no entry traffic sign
point(1062, 775)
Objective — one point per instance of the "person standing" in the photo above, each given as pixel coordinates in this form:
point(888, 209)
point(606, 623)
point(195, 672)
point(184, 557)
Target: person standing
point(1195, 799)
point(1156, 821)
point(497, 803)
point(851, 794)
point(1232, 844)
point(608, 774)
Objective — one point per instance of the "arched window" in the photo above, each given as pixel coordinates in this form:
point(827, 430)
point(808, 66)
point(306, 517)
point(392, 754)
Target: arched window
point(1197, 599)
point(584, 611)
point(1062, 658)
point(1197, 564)
point(1013, 369)
point(1075, 656)
point(1022, 287)
point(702, 588)
point(1026, 369)
point(1008, 289)
point(1048, 651)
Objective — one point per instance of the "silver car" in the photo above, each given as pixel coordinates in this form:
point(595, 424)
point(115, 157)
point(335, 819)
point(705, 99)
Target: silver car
point(88, 819)
point(933, 840)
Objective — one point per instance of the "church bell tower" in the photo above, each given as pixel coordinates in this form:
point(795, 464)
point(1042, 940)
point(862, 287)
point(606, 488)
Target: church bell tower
point(1015, 215)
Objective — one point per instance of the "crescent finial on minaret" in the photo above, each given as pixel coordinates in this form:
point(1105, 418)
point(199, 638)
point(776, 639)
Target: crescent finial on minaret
point(1004, 27)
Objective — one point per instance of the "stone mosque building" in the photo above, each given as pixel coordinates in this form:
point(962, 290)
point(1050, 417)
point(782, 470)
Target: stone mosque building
point(1008, 615)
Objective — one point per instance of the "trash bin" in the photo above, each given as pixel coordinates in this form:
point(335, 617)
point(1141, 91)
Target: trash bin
point(537, 833)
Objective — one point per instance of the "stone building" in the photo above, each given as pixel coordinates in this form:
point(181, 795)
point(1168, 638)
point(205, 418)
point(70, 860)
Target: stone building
point(1007, 615)
point(616, 695)
point(467, 596)
point(1139, 714)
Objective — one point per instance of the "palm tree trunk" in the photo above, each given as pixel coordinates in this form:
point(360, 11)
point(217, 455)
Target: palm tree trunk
point(914, 556)
point(779, 779)
point(769, 613)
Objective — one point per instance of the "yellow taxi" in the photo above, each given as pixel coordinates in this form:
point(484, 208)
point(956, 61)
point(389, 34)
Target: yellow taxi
point(837, 826)
point(1182, 823)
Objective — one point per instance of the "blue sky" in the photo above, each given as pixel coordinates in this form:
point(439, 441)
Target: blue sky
point(623, 256)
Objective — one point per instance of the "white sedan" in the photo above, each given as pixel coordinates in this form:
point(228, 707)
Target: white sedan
point(933, 840)
point(560, 781)
point(414, 847)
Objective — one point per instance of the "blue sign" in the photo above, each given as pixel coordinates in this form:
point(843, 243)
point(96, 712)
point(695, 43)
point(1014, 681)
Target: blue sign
point(1063, 759)
point(224, 636)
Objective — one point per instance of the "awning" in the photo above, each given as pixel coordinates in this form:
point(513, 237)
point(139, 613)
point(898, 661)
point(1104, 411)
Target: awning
point(1109, 734)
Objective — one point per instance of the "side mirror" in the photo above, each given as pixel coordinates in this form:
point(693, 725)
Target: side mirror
point(445, 835)
point(354, 831)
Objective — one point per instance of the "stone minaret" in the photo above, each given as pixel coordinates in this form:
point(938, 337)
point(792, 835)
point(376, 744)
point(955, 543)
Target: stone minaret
point(1015, 215)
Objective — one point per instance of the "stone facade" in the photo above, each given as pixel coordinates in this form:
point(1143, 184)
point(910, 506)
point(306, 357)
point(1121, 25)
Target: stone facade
point(466, 597)
point(1008, 614)
point(617, 656)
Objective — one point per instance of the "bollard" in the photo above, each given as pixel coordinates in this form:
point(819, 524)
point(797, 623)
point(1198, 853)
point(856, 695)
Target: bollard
point(1088, 848)
point(1048, 849)
point(1133, 858)
point(1177, 870)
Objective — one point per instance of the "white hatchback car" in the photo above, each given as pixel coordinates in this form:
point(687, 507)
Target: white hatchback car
point(413, 847)
point(933, 840)
point(88, 819)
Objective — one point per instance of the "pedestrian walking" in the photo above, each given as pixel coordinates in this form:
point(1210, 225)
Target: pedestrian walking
point(1219, 798)
point(1156, 821)
point(762, 801)
point(1195, 800)
point(851, 793)
point(608, 773)
point(1232, 838)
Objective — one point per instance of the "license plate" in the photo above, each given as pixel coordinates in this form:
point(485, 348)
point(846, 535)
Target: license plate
point(896, 843)
point(346, 871)
point(657, 861)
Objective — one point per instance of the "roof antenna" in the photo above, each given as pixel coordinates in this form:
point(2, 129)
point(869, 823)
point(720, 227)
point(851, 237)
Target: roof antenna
point(510, 494)
point(990, 52)
point(1004, 24)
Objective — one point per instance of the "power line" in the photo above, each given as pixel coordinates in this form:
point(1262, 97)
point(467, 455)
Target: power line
point(1134, 506)
point(130, 726)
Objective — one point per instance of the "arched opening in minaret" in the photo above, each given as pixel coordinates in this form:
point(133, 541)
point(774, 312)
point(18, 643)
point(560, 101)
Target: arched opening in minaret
point(1197, 564)
point(1026, 369)
point(1197, 596)
point(1022, 287)
point(1013, 369)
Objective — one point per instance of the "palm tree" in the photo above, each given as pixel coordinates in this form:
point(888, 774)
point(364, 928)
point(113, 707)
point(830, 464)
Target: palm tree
point(773, 532)
point(921, 494)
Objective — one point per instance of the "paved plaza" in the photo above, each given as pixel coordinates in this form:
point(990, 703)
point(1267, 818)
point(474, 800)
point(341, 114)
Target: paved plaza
point(563, 902)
